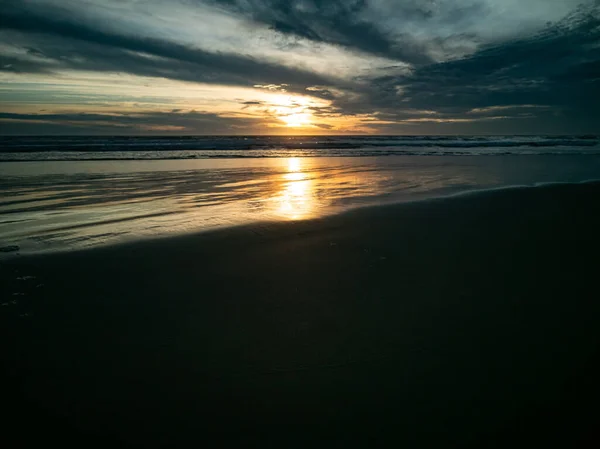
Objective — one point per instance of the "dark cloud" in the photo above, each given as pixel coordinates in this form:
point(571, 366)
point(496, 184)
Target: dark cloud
point(16, 65)
point(323, 126)
point(70, 43)
point(557, 69)
point(338, 22)
point(249, 104)
point(34, 52)
point(191, 122)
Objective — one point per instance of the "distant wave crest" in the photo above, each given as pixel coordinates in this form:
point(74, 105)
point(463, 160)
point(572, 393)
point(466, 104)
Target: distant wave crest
point(192, 147)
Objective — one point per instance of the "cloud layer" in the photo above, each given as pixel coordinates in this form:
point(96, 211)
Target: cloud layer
point(378, 66)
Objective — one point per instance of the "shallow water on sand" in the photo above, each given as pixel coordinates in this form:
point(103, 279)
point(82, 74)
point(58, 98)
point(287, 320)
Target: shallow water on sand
point(76, 204)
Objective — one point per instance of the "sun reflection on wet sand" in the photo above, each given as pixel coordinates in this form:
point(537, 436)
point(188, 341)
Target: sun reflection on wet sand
point(294, 165)
point(296, 200)
point(72, 209)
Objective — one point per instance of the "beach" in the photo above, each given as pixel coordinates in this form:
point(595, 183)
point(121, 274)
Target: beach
point(64, 205)
point(300, 224)
point(463, 321)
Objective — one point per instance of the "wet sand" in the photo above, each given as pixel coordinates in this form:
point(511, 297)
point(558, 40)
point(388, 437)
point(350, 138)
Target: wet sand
point(463, 322)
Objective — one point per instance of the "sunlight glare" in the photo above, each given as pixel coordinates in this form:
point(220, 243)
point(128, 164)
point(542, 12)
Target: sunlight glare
point(292, 110)
point(296, 200)
point(294, 164)
point(296, 120)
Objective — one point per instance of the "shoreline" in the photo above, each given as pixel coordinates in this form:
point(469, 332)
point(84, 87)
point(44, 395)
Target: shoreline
point(592, 152)
point(283, 223)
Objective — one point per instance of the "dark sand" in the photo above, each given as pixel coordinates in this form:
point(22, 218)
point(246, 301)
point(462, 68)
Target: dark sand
point(465, 322)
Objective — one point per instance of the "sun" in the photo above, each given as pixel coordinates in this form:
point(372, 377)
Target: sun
point(296, 119)
point(292, 110)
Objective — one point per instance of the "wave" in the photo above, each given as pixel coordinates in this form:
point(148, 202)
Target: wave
point(145, 148)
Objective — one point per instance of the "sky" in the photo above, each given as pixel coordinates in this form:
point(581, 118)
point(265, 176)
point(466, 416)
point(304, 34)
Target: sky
point(213, 67)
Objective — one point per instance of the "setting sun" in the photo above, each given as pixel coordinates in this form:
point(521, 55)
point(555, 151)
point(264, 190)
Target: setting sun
point(292, 110)
point(296, 120)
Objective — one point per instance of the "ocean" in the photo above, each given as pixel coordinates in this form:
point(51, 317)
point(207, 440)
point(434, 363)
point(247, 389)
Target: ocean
point(203, 147)
point(62, 193)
